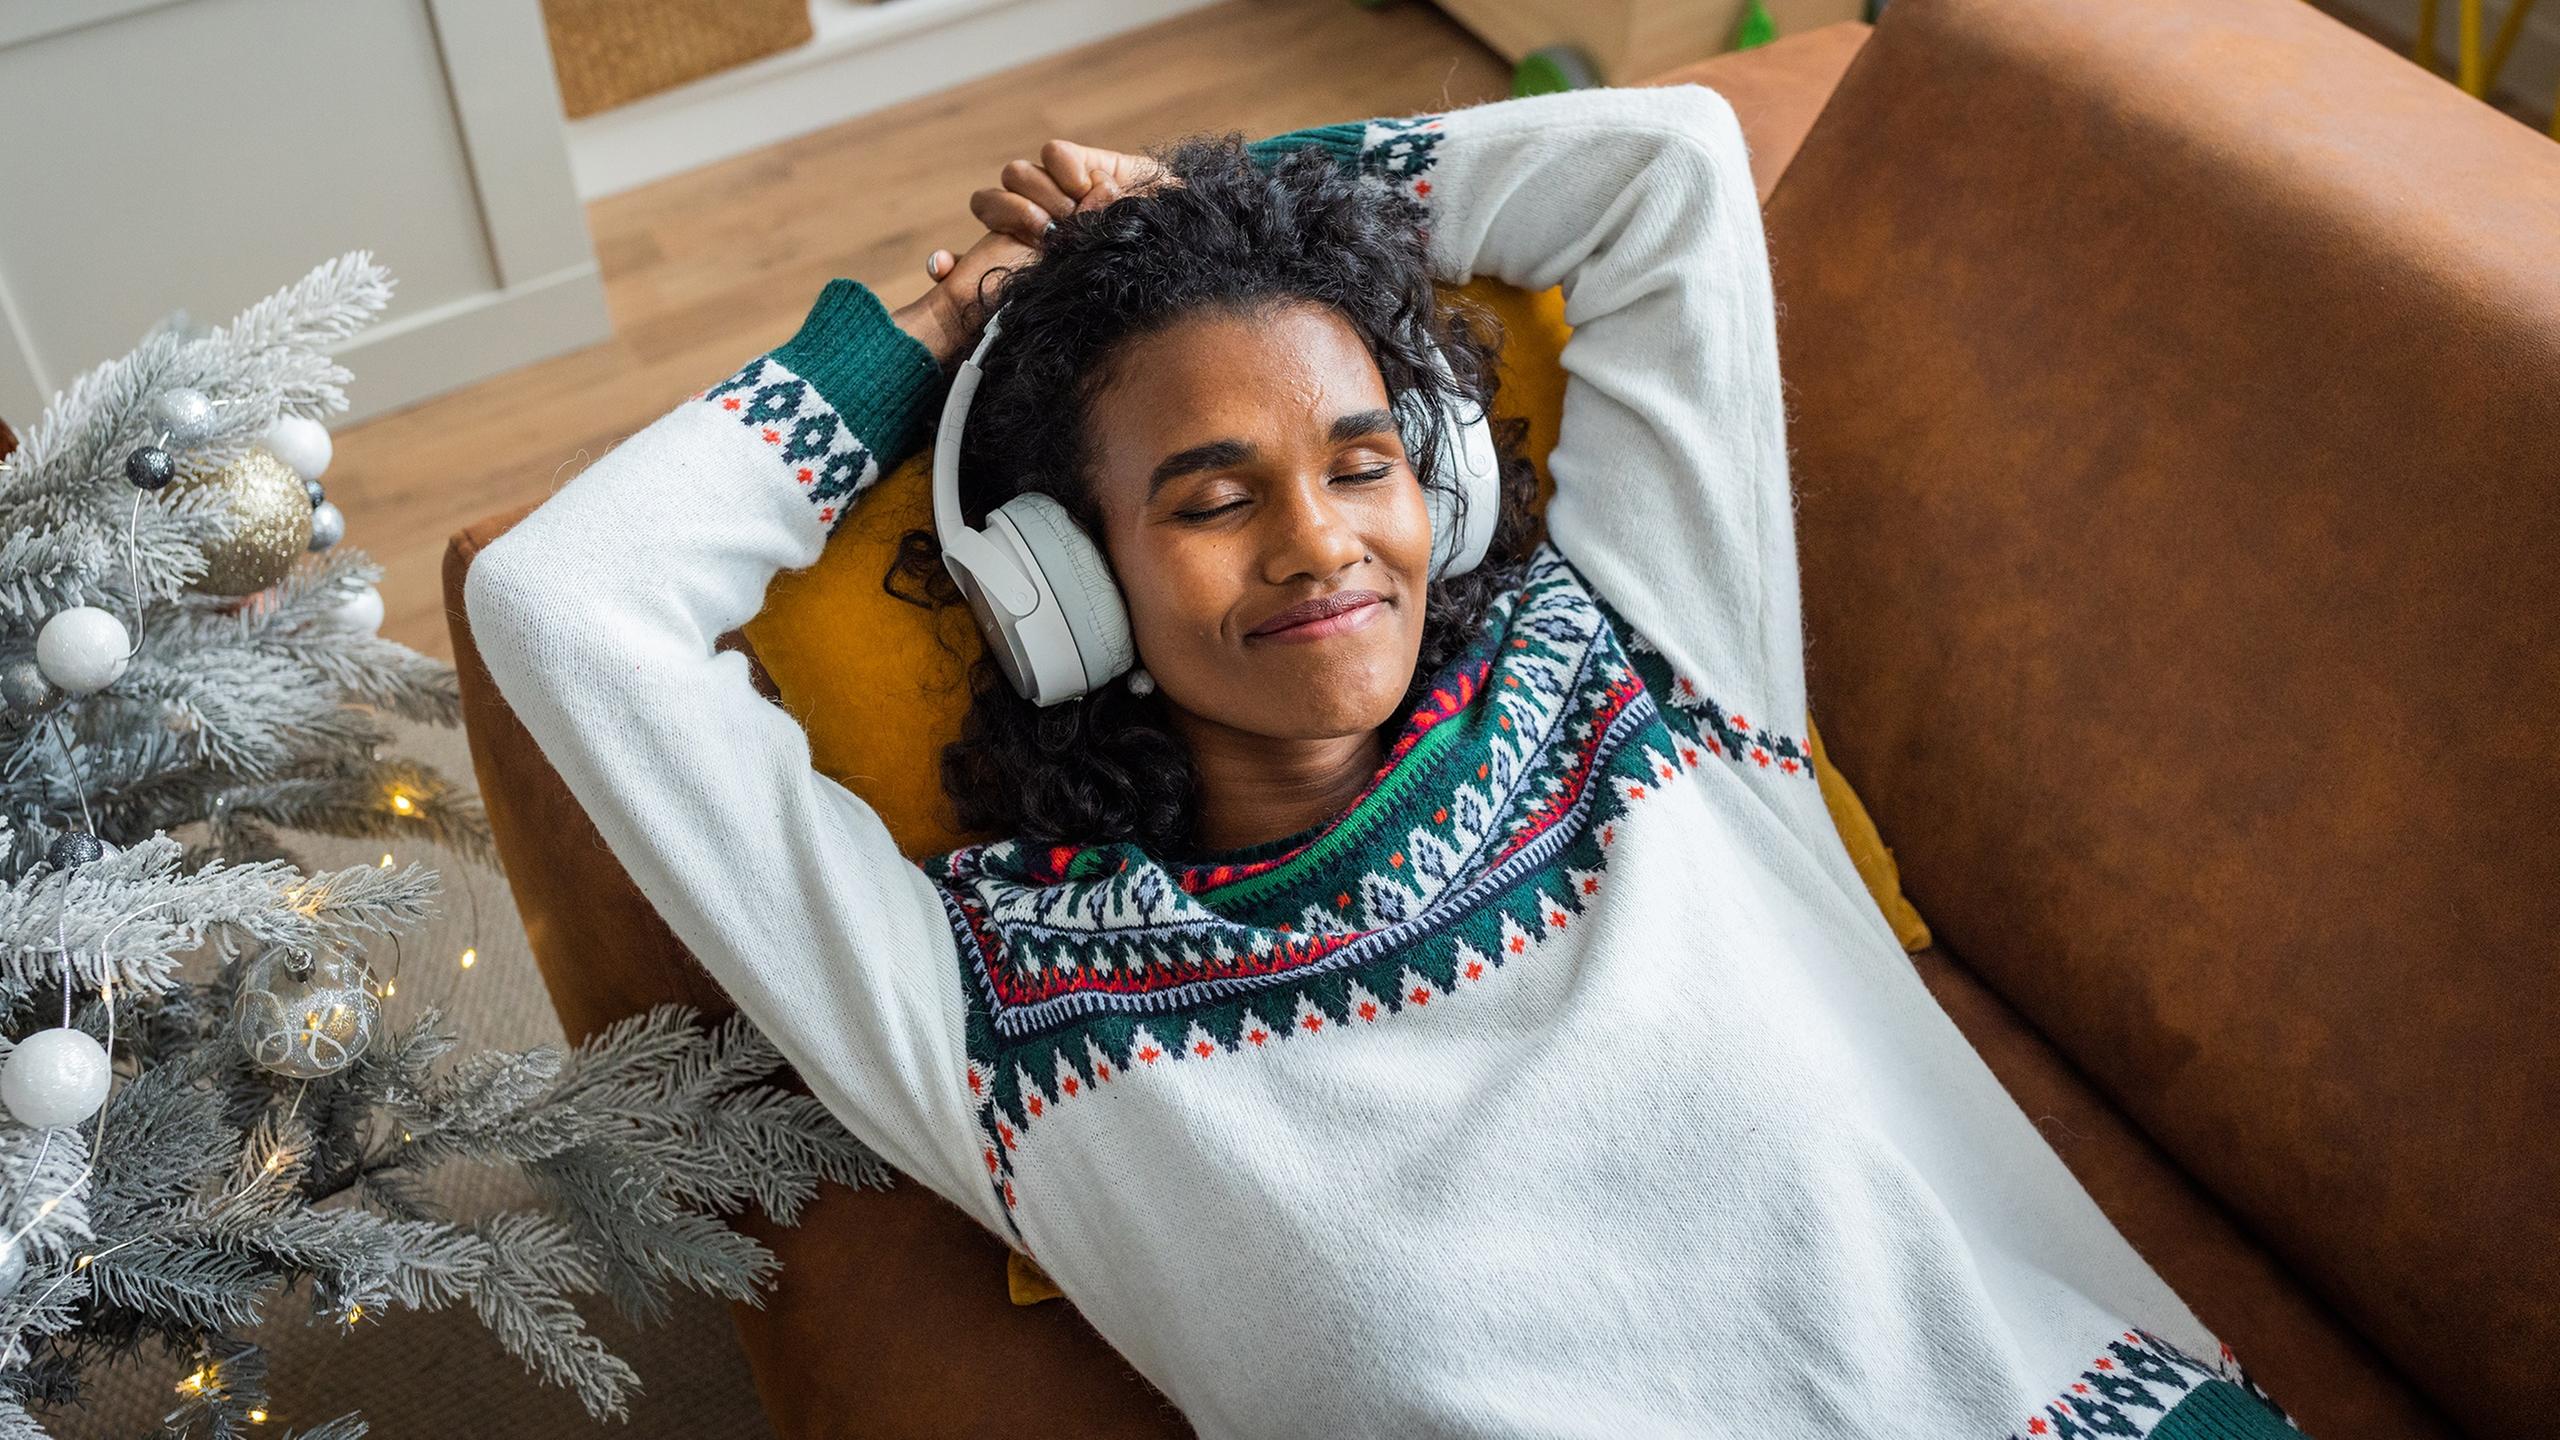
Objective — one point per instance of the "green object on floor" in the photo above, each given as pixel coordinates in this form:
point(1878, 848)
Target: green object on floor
point(1756, 27)
point(1551, 68)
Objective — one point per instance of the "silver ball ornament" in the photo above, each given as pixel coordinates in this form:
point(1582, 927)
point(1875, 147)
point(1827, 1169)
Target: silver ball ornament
point(24, 689)
point(55, 1077)
point(304, 1016)
point(328, 525)
point(185, 413)
point(83, 649)
point(301, 443)
point(74, 848)
point(150, 467)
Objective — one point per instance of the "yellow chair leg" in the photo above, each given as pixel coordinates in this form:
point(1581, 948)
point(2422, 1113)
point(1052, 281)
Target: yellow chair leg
point(2506, 45)
point(2423, 49)
point(2468, 63)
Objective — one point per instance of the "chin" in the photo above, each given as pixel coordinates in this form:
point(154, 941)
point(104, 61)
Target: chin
point(1343, 698)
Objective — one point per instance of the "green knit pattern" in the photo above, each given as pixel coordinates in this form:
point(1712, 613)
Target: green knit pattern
point(1482, 835)
point(880, 380)
point(2145, 1388)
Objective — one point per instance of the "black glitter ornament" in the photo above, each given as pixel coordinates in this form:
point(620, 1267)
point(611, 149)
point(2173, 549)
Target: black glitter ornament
point(150, 467)
point(75, 848)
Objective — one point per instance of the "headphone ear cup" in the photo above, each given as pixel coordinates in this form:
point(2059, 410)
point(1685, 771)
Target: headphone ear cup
point(1076, 576)
point(1470, 469)
point(1479, 477)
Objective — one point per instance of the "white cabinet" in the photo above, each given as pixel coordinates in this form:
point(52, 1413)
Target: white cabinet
point(198, 154)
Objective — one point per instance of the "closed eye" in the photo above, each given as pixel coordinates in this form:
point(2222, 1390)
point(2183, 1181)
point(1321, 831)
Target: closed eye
point(1358, 476)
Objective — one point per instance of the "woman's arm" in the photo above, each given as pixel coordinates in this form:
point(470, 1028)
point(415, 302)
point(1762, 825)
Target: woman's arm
point(1671, 478)
point(598, 614)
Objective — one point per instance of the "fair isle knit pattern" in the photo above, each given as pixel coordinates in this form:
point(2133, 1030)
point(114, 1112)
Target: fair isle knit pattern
point(809, 440)
point(2145, 1388)
point(1484, 832)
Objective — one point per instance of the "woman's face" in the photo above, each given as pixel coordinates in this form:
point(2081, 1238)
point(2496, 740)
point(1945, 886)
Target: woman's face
point(1246, 465)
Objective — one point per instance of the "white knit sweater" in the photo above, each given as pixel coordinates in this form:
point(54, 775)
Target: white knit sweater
point(1569, 1083)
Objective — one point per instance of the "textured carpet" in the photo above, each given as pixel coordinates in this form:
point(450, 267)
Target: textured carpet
point(438, 1373)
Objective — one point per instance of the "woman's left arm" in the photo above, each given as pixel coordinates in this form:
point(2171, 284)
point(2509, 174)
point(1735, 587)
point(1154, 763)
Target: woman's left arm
point(1672, 491)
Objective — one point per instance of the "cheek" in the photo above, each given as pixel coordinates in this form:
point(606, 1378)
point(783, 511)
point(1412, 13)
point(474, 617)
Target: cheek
point(1179, 593)
point(1397, 527)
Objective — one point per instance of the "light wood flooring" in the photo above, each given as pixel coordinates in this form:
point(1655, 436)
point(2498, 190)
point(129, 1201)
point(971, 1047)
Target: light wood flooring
point(704, 270)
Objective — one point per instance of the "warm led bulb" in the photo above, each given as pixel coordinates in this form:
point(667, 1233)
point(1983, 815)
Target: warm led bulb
point(257, 1416)
point(402, 804)
point(386, 861)
point(390, 987)
point(470, 957)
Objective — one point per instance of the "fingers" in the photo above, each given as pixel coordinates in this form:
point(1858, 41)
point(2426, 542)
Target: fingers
point(1104, 190)
point(1069, 164)
point(1036, 184)
point(1006, 213)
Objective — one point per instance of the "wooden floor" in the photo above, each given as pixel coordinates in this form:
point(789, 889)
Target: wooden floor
point(707, 269)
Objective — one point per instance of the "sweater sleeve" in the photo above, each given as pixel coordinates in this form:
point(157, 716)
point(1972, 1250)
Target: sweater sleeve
point(598, 616)
point(1672, 494)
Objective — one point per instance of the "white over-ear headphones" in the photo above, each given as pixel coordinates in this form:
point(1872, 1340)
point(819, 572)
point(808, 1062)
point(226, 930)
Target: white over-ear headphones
point(1044, 596)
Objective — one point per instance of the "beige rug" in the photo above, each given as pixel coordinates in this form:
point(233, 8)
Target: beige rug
point(438, 1374)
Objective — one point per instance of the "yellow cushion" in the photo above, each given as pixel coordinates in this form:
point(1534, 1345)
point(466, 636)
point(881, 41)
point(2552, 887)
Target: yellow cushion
point(880, 689)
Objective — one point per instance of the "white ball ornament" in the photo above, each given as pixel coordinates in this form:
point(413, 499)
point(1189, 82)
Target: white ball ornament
point(300, 442)
point(83, 649)
point(55, 1077)
point(360, 611)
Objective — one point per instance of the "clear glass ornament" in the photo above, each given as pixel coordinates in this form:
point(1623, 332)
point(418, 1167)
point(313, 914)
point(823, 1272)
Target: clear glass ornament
point(304, 1015)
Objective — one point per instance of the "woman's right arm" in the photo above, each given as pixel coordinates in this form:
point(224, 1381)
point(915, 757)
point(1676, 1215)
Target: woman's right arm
point(1672, 491)
point(599, 615)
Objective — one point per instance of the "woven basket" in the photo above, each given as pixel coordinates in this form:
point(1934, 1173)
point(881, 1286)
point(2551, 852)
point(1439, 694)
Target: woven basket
point(610, 52)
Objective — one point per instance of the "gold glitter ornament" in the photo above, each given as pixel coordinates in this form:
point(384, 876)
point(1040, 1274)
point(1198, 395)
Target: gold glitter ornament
point(271, 522)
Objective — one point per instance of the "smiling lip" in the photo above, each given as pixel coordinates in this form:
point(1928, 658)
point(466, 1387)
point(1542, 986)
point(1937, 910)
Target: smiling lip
point(1318, 618)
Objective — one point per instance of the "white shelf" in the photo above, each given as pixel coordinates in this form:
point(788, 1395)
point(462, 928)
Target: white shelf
point(862, 58)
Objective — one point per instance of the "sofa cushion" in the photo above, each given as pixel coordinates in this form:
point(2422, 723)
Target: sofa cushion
point(2331, 1381)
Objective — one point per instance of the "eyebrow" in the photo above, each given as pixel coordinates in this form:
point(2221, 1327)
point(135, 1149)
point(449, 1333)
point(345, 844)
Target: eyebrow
point(1219, 454)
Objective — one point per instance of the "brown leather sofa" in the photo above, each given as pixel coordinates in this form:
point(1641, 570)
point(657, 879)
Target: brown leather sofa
point(2175, 404)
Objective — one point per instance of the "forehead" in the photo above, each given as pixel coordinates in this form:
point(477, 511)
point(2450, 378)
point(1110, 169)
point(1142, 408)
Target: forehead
point(1280, 375)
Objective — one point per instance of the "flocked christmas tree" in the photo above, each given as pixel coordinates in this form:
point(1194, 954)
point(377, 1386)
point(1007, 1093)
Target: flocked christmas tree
point(209, 1113)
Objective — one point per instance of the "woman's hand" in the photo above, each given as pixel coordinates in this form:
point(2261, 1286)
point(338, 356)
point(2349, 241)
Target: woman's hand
point(1017, 212)
point(947, 318)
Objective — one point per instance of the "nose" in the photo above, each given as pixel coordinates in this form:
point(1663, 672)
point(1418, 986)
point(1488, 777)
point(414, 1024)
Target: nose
point(1309, 533)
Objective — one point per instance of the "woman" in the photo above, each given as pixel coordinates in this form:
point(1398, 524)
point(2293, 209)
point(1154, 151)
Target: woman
point(1408, 1007)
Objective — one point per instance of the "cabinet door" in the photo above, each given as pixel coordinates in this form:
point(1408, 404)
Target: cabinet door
point(198, 154)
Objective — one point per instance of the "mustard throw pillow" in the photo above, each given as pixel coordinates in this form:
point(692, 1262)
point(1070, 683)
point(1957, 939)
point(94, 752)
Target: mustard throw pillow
point(871, 680)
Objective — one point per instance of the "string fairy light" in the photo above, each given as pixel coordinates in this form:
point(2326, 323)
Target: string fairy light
point(303, 896)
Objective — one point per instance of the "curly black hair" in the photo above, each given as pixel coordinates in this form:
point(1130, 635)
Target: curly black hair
point(1236, 238)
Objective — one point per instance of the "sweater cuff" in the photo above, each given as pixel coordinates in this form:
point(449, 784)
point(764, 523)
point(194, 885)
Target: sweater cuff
point(1341, 141)
point(881, 380)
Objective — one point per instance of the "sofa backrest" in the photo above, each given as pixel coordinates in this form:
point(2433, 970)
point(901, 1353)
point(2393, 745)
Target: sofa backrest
point(2175, 406)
